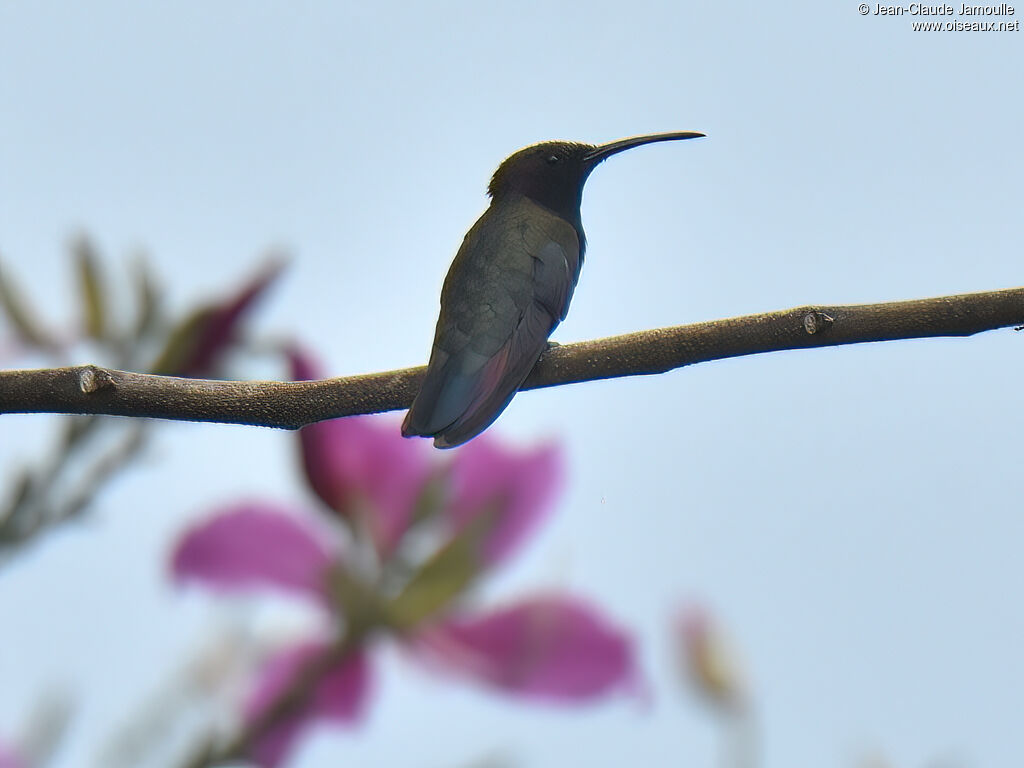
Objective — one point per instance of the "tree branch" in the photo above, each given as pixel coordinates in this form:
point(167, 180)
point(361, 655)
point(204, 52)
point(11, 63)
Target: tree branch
point(90, 389)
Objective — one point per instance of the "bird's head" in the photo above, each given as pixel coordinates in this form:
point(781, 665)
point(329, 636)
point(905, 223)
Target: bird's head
point(553, 172)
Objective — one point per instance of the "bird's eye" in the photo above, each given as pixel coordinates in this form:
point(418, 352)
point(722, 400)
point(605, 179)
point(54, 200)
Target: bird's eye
point(553, 159)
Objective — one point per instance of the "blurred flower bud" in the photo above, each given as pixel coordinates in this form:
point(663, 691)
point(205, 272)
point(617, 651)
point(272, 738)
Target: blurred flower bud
point(709, 662)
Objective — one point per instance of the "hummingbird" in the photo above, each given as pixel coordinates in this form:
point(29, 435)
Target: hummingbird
point(509, 287)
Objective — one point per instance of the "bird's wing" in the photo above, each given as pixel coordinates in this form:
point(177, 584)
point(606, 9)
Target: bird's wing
point(509, 286)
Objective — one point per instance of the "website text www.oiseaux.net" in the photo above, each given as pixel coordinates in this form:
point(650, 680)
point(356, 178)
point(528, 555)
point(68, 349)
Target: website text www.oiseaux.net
point(979, 18)
point(966, 26)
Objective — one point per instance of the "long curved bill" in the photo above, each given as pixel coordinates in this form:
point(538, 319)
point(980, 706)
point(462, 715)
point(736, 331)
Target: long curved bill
point(604, 151)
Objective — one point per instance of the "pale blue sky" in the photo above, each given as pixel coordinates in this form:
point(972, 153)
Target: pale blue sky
point(853, 514)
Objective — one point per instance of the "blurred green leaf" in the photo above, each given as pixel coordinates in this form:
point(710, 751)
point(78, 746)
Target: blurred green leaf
point(15, 307)
point(357, 601)
point(182, 342)
point(46, 726)
point(147, 298)
point(432, 498)
point(442, 578)
point(76, 428)
point(91, 288)
point(24, 486)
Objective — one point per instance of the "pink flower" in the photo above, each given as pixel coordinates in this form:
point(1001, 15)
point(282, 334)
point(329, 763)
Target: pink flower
point(478, 509)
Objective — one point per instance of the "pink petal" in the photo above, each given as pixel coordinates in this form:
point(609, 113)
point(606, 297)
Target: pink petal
point(254, 545)
point(339, 697)
point(553, 647)
point(9, 759)
point(518, 486)
point(304, 367)
point(361, 465)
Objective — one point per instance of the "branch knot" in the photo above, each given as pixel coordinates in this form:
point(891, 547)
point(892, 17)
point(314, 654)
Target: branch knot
point(93, 379)
point(815, 321)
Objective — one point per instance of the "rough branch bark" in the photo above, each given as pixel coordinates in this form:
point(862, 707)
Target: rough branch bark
point(93, 390)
